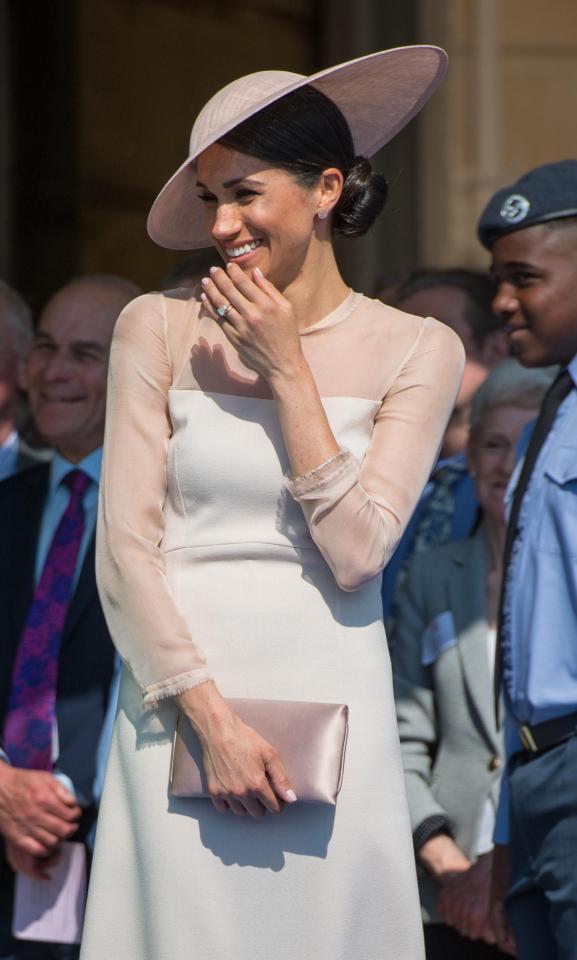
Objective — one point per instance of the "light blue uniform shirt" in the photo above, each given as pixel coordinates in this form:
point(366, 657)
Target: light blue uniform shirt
point(539, 632)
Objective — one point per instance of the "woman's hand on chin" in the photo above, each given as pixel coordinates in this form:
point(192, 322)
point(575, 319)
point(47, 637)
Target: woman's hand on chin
point(244, 773)
point(261, 324)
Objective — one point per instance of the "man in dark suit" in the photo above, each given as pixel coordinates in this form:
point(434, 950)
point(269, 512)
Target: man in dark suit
point(51, 731)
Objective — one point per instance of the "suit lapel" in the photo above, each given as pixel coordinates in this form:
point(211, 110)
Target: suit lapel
point(467, 595)
point(20, 521)
point(24, 527)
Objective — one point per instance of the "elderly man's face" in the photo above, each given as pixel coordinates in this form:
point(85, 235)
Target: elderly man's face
point(66, 370)
point(536, 274)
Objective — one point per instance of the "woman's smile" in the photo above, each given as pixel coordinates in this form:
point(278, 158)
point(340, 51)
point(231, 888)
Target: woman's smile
point(242, 251)
point(257, 215)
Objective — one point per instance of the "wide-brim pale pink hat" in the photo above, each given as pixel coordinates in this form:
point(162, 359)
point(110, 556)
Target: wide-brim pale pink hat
point(377, 94)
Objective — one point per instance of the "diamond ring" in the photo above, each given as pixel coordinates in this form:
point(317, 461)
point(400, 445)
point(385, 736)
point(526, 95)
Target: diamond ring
point(223, 310)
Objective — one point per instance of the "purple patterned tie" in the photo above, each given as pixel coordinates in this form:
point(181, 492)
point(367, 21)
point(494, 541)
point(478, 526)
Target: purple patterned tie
point(30, 716)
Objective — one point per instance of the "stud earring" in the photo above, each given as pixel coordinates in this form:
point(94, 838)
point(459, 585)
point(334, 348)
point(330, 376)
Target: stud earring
point(322, 214)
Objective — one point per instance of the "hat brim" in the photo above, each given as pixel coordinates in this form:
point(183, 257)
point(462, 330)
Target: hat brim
point(378, 95)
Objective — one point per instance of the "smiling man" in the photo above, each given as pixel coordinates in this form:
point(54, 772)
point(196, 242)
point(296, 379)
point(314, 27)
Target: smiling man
point(67, 365)
point(531, 230)
point(52, 717)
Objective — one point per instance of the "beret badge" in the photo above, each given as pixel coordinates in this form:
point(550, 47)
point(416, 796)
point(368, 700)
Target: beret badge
point(515, 208)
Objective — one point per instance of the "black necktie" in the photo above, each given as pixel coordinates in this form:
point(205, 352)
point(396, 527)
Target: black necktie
point(559, 389)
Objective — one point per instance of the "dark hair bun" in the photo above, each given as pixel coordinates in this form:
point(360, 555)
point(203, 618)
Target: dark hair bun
point(364, 196)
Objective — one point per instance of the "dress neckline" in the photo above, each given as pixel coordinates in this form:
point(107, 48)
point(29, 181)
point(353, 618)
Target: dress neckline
point(337, 315)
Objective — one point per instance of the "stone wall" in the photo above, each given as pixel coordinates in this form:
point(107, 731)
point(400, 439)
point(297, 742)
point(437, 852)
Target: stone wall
point(509, 103)
point(98, 101)
point(145, 69)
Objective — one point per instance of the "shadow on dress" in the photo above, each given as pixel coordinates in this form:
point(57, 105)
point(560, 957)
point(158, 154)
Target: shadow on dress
point(304, 829)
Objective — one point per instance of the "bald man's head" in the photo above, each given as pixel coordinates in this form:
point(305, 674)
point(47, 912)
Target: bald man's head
point(92, 302)
point(67, 366)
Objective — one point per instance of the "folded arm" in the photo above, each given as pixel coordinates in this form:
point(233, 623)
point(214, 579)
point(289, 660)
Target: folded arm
point(357, 512)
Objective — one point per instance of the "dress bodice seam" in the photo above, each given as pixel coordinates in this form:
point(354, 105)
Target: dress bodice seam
point(234, 543)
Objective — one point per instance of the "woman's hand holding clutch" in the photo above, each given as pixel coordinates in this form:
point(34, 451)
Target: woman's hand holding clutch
point(244, 773)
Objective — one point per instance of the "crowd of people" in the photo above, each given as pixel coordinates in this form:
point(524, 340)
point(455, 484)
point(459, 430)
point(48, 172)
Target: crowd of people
point(484, 619)
point(478, 597)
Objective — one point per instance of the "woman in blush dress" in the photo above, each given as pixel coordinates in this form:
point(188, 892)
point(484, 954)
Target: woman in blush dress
point(265, 447)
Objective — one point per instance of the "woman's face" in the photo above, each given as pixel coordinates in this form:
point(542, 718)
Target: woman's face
point(258, 216)
point(492, 454)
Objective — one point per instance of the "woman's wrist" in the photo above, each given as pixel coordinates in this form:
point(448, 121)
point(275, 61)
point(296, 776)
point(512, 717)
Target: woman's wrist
point(204, 707)
point(291, 376)
point(307, 433)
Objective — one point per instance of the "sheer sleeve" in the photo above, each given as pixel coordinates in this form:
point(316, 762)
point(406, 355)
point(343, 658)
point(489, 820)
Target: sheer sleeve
point(147, 628)
point(357, 512)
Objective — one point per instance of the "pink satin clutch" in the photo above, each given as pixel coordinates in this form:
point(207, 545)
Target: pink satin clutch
point(310, 738)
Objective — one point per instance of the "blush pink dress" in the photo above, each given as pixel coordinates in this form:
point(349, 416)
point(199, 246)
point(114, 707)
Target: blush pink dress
point(213, 562)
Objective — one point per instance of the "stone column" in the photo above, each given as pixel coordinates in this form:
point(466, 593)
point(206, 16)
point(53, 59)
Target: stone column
point(5, 145)
point(349, 30)
point(507, 105)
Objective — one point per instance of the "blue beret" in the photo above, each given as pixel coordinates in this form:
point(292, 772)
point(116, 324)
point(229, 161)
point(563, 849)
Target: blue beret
point(545, 193)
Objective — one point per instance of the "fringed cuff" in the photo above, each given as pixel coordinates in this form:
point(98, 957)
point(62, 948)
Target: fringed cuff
point(171, 687)
point(327, 473)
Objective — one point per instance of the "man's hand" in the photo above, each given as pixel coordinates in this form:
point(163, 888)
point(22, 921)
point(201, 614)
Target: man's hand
point(499, 886)
point(36, 867)
point(464, 901)
point(441, 857)
point(36, 811)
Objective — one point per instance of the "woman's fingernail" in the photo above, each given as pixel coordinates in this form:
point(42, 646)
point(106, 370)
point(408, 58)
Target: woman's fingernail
point(229, 265)
point(213, 269)
point(260, 274)
point(291, 796)
point(203, 296)
point(205, 281)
